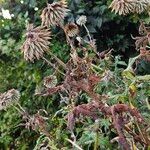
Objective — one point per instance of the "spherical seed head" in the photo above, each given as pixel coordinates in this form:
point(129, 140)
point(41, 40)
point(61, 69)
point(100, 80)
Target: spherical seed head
point(124, 7)
point(50, 81)
point(37, 42)
point(141, 6)
point(82, 20)
point(71, 29)
point(8, 98)
point(54, 13)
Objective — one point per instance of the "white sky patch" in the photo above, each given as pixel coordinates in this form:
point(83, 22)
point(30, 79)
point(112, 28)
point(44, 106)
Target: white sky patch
point(6, 14)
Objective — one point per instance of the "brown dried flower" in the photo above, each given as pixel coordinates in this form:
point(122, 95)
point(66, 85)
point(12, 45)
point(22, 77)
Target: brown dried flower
point(82, 20)
point(71, 29)
point(8, 98)
point(37, 41)
point(141, 5)
point(54, 13)
point(50, 81)
point(124, 7)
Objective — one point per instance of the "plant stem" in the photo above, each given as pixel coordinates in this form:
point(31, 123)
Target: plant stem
point(58, 60)
point(74, 144)
point(96, 141)
point(52, 65)
point(88, 32)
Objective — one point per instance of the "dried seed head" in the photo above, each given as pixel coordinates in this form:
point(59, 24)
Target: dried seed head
point(71, 29)
point(82, 20)
point(141, 6)
point(8, 98)
point(50, 81)
point(124, 7)
point(37, 41)
point(54, 13)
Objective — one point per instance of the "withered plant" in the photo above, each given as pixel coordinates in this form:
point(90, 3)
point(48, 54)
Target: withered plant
point(83, 73)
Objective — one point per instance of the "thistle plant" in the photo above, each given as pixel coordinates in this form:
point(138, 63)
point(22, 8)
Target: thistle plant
point(81, 76)
point(86, 70)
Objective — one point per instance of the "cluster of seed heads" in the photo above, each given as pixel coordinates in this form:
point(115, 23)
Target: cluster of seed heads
point(9, 98)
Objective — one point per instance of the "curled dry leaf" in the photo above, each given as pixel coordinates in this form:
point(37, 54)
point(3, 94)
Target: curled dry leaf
point(143, 40)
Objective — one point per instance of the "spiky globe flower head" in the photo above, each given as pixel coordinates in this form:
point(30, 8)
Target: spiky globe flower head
point(37, 42)
point(124, 7)
point(82, 20)
point(141, 6)
point(54, 13)
point(8, 98)
point(50, 81)
point(71, 29)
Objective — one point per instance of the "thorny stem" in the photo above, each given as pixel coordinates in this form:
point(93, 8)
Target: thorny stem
point(135, 136)
point(20, 107)
point(74, 137)
point(140, 131)
point(96, 141)
point(52, 65)
point(74, 144)
point(97, 67)
point(17, 109)
point(58, 60)
point(88, 32)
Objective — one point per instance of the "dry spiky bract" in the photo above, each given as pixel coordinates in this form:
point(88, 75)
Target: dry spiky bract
point(141, 6)
point(37, 42)
point(50, 81)
point(82, 20)
point(54, 13)
point(71, 29)
point(124, 7)
point(8, 98)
